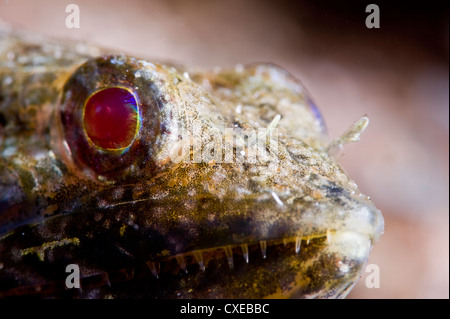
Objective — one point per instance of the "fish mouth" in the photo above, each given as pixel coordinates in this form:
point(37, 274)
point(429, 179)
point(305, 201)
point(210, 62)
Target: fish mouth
point(295, 267)
point(242, 257)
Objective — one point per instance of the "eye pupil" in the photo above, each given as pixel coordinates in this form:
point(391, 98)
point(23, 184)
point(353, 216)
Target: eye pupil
point(111, 118)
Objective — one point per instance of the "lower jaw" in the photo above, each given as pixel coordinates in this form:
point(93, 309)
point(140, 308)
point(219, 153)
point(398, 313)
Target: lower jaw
point(298, 267)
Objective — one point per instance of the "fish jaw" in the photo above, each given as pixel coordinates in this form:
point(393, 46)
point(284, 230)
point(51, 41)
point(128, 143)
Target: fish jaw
point(253, 249)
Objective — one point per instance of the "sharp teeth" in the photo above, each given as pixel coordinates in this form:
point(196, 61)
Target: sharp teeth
point(229, 254)
point(263, 244)
point(244, 248)
point(307, 241)
point(329, 237)
point(298, 243)
point(106, 279)
point(131, 276)
point(181, 262)
point(199, 257)
point(151, 265)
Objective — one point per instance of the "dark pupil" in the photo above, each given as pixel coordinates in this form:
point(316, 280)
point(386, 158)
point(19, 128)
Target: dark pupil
point(111, 118)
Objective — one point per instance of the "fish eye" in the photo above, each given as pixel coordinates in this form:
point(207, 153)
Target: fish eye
point(111, 118)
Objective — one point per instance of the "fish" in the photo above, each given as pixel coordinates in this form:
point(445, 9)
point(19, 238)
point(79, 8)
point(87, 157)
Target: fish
point(123, 177)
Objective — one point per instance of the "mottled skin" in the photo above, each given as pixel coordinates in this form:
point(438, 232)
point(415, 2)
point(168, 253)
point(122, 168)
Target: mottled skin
point(158, 220)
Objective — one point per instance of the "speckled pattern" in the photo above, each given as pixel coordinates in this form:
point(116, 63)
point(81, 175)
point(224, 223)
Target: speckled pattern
point(169, 217)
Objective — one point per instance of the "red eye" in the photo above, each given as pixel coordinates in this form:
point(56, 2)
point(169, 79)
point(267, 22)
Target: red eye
point(111, 118)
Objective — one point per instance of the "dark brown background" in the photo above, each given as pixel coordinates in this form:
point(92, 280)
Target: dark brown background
point(397, 74)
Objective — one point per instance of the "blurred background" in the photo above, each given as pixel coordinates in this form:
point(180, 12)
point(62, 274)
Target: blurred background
point(398, 75)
